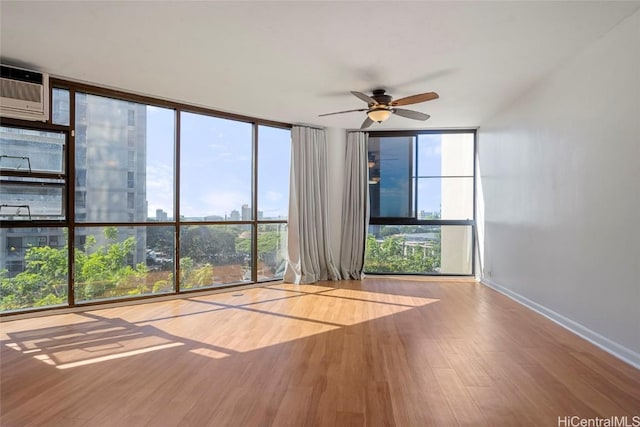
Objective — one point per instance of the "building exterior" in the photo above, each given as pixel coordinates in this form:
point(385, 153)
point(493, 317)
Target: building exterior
point(234, 215)
point(161, 215)
point(110, 159)
point(246, 213)
point(29, 197)
point(110, 178)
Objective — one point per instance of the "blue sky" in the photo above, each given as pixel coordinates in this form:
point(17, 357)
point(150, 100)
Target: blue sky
point(216, 165)
point(216, 159)
point(429, 164)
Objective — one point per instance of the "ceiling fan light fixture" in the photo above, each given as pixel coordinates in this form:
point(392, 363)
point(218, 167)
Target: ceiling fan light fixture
point(381, 106)
point(379, 115)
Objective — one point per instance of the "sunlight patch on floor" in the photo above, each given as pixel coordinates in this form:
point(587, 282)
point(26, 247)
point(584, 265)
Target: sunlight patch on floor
point(380, 297)
point(213, 354)
point(117, 355)
point(241, 321)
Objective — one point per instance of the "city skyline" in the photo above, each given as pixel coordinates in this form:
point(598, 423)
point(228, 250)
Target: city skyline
point(222, 148)
point(235, 215)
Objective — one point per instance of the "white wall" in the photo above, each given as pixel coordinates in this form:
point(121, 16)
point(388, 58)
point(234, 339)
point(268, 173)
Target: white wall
point(560, 171)
point(457, 202)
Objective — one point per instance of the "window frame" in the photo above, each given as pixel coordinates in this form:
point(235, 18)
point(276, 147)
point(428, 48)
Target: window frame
point(42, 176)
point(400, 221)
point(70, 222)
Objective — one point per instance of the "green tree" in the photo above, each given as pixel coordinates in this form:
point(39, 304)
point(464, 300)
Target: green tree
point(103, 271)
point(268, 242)
point(205, 244)
point(43, 281)
point(243, 246)
point(388, 230)
point(160, 239)
point(100, 272)
point(393, 255)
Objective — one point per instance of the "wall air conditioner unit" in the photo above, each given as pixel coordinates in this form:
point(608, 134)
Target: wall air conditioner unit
point(24, 94)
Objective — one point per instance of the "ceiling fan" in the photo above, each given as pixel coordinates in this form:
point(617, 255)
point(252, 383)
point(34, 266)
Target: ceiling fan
point(381, 106)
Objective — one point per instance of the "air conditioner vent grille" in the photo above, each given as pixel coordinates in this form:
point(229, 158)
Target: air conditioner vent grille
point(24, 94)
point(20, 90)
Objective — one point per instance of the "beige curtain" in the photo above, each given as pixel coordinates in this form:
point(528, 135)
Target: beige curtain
point(309, 253)
point(355, 207)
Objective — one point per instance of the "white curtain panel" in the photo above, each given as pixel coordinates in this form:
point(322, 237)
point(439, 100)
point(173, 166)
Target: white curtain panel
point(309, 251)
point(355, 206)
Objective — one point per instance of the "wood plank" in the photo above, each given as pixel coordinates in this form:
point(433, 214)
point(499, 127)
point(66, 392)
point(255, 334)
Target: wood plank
point(396, 351)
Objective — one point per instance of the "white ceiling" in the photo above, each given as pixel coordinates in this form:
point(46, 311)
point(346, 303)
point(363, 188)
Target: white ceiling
point(290, 61)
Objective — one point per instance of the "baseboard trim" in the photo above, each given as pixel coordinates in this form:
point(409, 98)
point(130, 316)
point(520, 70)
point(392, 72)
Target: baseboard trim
point(621, 352)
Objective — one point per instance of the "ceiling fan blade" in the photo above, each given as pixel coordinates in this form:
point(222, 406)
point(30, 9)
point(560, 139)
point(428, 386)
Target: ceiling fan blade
point(341, 112)
point(410, 114)
point(415, 99)
point(365, 98)
point(367, 122)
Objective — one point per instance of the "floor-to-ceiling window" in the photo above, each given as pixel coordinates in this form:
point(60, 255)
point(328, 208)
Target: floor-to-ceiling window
point(121, 196)
point(215, 201)
point(274, 161)
point(124, 175)
point(421, 187)
point(33, 214)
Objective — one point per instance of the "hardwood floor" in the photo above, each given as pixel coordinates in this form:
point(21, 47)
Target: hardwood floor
point(378, 352)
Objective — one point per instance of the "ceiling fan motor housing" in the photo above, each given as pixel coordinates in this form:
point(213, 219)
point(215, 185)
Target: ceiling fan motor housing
point(380, 97)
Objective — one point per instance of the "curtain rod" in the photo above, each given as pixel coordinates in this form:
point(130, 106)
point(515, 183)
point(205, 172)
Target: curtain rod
point(310, 126)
